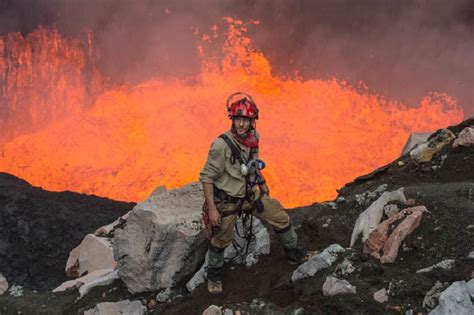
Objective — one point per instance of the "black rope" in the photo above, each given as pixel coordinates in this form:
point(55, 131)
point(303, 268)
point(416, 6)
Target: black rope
point(246, 235)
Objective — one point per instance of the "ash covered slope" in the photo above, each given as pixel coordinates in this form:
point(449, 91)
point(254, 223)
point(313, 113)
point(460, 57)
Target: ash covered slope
point(39, 228)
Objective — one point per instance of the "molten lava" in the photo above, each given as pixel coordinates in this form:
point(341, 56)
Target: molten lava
point(316, 135)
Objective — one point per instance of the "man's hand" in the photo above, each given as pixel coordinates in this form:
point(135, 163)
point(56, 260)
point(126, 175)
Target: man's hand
point(264, 189)
point(214, 216)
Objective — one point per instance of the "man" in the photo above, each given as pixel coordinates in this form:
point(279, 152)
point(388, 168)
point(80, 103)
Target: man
point(230, 179)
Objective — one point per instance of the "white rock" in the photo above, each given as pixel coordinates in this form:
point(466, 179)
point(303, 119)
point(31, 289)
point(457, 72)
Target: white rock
point(455, 300)
point(16, 290)
point(260, 245)
point(212, 310)
point(471, 255)
point(104, 280)
point(381, 295)
point(163, 241)
point(334, 286)
point(94, 253)
point(370, 218)
point(391, 210)
point(447, 264)
point(345, 268)
point(3, 284)
point(366, 197)
point(83, 280)
point(164, 295)
point(318, 262)
point(122, 307)
point(465, 137)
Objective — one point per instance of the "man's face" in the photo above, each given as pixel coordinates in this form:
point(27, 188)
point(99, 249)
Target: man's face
point(242, 125)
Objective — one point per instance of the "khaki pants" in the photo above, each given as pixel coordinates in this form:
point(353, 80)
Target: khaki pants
point(273, 213)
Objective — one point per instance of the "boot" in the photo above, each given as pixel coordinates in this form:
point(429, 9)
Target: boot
point(214, 280)
point(289, 240)
point(214, 270)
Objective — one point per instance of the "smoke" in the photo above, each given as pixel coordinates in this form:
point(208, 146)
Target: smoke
point(400, 49)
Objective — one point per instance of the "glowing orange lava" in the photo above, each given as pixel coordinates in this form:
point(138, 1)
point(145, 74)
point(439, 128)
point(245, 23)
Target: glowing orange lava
point(316, 135)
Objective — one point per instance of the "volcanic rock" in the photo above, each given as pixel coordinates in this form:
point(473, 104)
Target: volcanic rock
point(3, 284)
point(319, 262)
point(465, 138)
point(455, 300)
point(212, 310)
point(83, 280)
point(94, 253)
point(370, 218)
point(445, 264)
point(345, 268)
point(16, 290)
point(105, 279)
point(403, 229)
point(379, 238)
point(122, 307)
point(432, 296)
point(381, 295)
point(164, 295)
point(368, 196)
point(425, 151)
point(163, 240)
point(334, 286)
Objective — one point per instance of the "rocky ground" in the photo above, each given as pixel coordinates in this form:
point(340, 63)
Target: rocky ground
point(445, 186)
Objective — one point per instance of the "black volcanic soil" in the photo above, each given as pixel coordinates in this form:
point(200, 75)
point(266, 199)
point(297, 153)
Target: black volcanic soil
point(447, 190)
point(39, 228)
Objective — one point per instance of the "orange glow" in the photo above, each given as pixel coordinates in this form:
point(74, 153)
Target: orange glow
point(316, 135)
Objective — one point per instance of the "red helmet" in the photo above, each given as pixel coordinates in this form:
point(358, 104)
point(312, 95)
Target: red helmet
point(244, 106)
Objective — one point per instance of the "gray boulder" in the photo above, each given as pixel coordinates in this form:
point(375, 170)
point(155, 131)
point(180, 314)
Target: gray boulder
point(455, 300)
point(334, 286)
point(321, 261)
point(163, 240)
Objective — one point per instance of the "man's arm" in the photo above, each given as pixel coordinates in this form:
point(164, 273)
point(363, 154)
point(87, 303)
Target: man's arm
point(212, 170)
point(214, 216)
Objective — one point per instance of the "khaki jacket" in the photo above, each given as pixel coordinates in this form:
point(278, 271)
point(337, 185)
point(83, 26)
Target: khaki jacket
point(219, 170)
